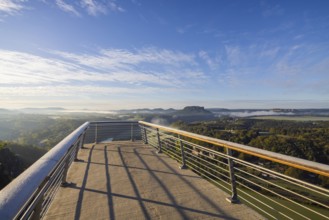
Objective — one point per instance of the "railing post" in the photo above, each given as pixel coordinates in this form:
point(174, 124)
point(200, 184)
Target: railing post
point(66, 168)
point(77, 149)
point(37, 210)
point(79, 146)
point(83, 140)
point(234, 197)
point(183, 166)
point(145, 135)
point(159, 142)
point(132, 132)
point(96, 130)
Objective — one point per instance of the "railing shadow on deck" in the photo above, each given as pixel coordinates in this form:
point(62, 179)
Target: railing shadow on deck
point(134, 181)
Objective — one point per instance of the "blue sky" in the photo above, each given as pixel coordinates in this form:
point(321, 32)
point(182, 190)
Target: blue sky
point(107, 54)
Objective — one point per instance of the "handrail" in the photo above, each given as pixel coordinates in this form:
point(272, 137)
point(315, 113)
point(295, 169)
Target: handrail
point(19, 192)
point(261, 186)
point(113, 122)
point(298, 163)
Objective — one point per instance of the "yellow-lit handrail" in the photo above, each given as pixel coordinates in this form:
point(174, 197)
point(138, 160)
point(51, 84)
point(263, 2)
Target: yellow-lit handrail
point(314, 167)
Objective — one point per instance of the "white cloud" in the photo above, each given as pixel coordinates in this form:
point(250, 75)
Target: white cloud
point(234, 55)
point(146, 68)
point(213, 63)
point(163, 67)
point(66, 91)
point(110, 76)
point(94, 7)
point(114, 7)
point(11, 6)
point(67, 7)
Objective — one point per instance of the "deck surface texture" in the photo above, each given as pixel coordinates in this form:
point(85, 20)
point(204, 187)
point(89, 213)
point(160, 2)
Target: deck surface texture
point(129, 180)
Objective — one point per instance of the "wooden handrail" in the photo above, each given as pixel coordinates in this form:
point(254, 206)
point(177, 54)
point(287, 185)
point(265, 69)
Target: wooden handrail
point(314, 167)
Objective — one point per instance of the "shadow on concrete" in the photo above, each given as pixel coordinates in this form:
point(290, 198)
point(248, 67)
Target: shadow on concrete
point(163, 186)
point(83, 186)
point(144, 203)
point(139, 168)
point(108, 185)
point(138, 196)
point(158, 203)
point(132, 152)
point(167, 191)
point(202, 196)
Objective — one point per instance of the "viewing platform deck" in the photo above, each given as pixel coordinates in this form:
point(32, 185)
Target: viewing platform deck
point(129, 180)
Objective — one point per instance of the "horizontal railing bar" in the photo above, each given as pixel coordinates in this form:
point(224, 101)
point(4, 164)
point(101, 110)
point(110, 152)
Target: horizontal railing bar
point(213, 159)
point(290, 200)
point(205, 176)
point(113, 122)
point(288, 179)
point(208, 163)
point(257, 207)
point(16, 195)
point(272, 200)
point(282, 188)
point(298, 163)
point(261, 202)
point(213, 175)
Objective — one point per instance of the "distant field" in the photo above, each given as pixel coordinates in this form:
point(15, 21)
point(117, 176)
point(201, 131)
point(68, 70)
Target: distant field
point(293, 118)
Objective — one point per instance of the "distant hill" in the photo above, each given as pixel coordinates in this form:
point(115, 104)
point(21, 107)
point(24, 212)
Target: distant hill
point(193, 110)
point(193, 113)
point(147, 111)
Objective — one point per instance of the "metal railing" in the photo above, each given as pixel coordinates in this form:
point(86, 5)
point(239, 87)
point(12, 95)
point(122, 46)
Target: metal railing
point(106, 131)
point(252, 176)
point(256, 180)
point(31, 193)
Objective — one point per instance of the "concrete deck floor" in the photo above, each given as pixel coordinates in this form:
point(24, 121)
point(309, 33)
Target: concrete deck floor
point(129, 180)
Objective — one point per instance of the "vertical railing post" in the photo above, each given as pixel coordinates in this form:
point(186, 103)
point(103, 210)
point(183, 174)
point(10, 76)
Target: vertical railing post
point(83, 140)
point(159, 142)
point(78, 146)
point(234, 197)
point(96, 130)
point(145, 135)
point(66, 169)
point(37, 211)
point(183, 166)
point(132, 132)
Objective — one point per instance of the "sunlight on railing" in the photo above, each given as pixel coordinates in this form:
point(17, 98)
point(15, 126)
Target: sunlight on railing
point(250, 175)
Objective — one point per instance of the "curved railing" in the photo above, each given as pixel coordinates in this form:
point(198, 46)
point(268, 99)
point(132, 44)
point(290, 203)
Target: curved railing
point(256, 179)
point(105, 131)
point(253, 176)
point(30, 194)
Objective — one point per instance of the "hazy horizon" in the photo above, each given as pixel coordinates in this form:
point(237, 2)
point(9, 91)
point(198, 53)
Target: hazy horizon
point(92, 109)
